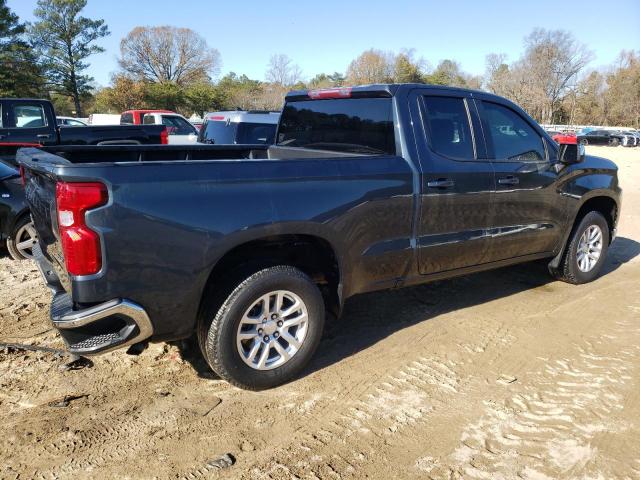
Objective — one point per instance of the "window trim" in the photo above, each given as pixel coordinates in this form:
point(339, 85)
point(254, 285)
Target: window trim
point(491, 151)
point(424, 119)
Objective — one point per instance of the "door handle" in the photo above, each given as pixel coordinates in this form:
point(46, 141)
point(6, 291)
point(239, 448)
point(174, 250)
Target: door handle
point(441, 183)
point(509, 180)
point(43, 135)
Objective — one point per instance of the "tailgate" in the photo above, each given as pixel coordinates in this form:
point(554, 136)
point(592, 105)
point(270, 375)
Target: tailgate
point(40, 193)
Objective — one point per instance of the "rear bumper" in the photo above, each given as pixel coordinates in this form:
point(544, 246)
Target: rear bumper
point(97, 328)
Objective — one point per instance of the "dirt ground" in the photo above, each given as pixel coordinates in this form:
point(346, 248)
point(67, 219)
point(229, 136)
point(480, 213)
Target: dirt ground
point(504, 374)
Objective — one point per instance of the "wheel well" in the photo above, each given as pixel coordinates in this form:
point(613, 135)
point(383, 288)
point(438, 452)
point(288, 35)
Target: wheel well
point(312, 255)
point(16, 219)
point(605, 205)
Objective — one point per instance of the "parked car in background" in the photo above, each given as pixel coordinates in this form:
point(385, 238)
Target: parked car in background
point(239, 127)
point(247, 246)
point(16, 227)
point(628, 138)
point(70, 122)
point(135, 117)
point(104, 119)
point(563, 137)
point(600, 137)
point(179, 130)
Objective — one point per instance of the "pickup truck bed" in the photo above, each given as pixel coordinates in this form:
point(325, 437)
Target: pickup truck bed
point(361, 193)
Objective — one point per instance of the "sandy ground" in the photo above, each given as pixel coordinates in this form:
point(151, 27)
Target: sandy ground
point(505, 374)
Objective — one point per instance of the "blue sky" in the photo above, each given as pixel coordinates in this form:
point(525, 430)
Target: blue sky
point(324, 36)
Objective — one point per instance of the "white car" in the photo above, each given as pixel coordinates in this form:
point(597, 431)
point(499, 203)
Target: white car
point(70, 122)
point(180, 131)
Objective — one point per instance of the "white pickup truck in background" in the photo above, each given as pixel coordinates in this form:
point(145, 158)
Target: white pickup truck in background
point(180, 131)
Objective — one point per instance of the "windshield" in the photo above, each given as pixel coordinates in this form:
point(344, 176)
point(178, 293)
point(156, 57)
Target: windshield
point(362, 125)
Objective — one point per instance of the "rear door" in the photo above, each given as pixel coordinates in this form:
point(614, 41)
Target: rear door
point(528, 214)
point(28, 121)
point(457, 181)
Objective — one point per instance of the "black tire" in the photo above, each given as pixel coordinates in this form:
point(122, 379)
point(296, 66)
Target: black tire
point(584, 142)
point(568, 270)
point(12, 241)
point(218, 327)
point(614, 142)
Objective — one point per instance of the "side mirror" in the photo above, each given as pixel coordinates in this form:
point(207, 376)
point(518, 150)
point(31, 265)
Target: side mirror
point(569, 153)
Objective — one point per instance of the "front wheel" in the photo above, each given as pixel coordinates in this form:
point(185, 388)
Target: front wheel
point(267, 329)
point(586, 251)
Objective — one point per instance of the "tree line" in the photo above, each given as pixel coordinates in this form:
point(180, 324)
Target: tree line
point(174, 68)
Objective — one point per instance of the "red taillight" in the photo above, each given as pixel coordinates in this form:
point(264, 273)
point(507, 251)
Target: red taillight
point(164, 136)
point(216, 117)
point(23, 177)
point(80, 244)
point(337, 92)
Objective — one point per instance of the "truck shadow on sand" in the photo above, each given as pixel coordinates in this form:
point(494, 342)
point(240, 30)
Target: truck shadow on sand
point(369, 318)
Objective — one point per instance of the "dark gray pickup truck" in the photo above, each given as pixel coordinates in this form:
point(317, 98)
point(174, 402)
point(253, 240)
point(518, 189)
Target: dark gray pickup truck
point(366, 188)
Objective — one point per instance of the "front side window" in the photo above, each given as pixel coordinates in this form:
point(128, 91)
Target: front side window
point(513, 138)
point(448, 130)
point(358, 125)
point(29, 116)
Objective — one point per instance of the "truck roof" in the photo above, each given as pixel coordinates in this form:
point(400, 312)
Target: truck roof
point(373, 90)
point(244, 116)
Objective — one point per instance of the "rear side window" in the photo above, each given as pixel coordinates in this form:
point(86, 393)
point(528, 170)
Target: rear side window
point(29, 116)
point(448, 127)
point(126, 119)
point(148, 120)
point(512, 136)
point(359, 125)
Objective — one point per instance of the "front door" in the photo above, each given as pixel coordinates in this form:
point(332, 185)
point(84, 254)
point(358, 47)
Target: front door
point(527, 212)
point(457, 181)
point(28, 122)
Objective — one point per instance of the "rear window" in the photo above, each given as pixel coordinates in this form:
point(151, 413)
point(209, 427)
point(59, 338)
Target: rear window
point(249, 133)
point(362, 125)
point(218, 132)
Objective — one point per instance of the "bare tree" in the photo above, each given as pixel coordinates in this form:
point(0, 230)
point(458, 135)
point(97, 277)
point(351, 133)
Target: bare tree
point(282, 71)
point(372, 66)
point(168, 54)
point(553, 58)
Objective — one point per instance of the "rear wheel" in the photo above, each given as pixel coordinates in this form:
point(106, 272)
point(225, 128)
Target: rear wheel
point(266, 330)
point(584, 141)
point(587, 249)
point(22, 240)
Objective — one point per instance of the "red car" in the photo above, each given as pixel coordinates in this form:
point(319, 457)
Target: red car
point(134, 117)
point(567, 137)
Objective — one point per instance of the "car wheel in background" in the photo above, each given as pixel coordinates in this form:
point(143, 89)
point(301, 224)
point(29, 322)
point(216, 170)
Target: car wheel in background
point(266, 330)
point(22, 239)
point(584, 141)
